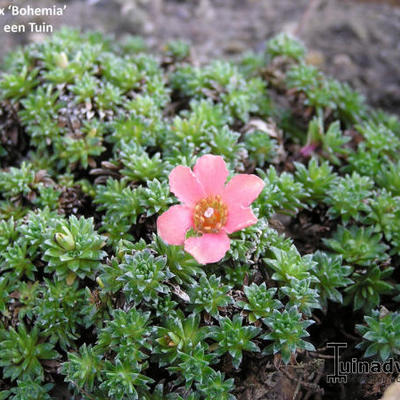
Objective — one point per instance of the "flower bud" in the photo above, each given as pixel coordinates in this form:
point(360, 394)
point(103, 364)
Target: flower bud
point(61, 60)
point(65, 240)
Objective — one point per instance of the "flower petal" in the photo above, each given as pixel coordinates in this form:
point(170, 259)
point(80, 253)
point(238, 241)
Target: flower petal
point(185, 185)
point(209, 248)
point(242, 189)
point(239, 218)
point(211, 172)
point(174, 223)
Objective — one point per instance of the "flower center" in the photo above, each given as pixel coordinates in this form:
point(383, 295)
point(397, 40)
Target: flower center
point(210, 214)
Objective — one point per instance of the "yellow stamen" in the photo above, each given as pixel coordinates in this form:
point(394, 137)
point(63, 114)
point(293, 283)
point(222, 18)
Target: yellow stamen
point(210, 214)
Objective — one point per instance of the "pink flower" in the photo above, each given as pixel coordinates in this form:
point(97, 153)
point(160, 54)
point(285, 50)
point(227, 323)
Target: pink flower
point(209, 207)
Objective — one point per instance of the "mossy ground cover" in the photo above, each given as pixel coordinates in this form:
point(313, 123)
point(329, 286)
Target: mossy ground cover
point(90, 293)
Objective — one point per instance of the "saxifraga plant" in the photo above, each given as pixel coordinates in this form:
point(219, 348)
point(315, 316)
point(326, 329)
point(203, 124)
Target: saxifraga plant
point(87, 279)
